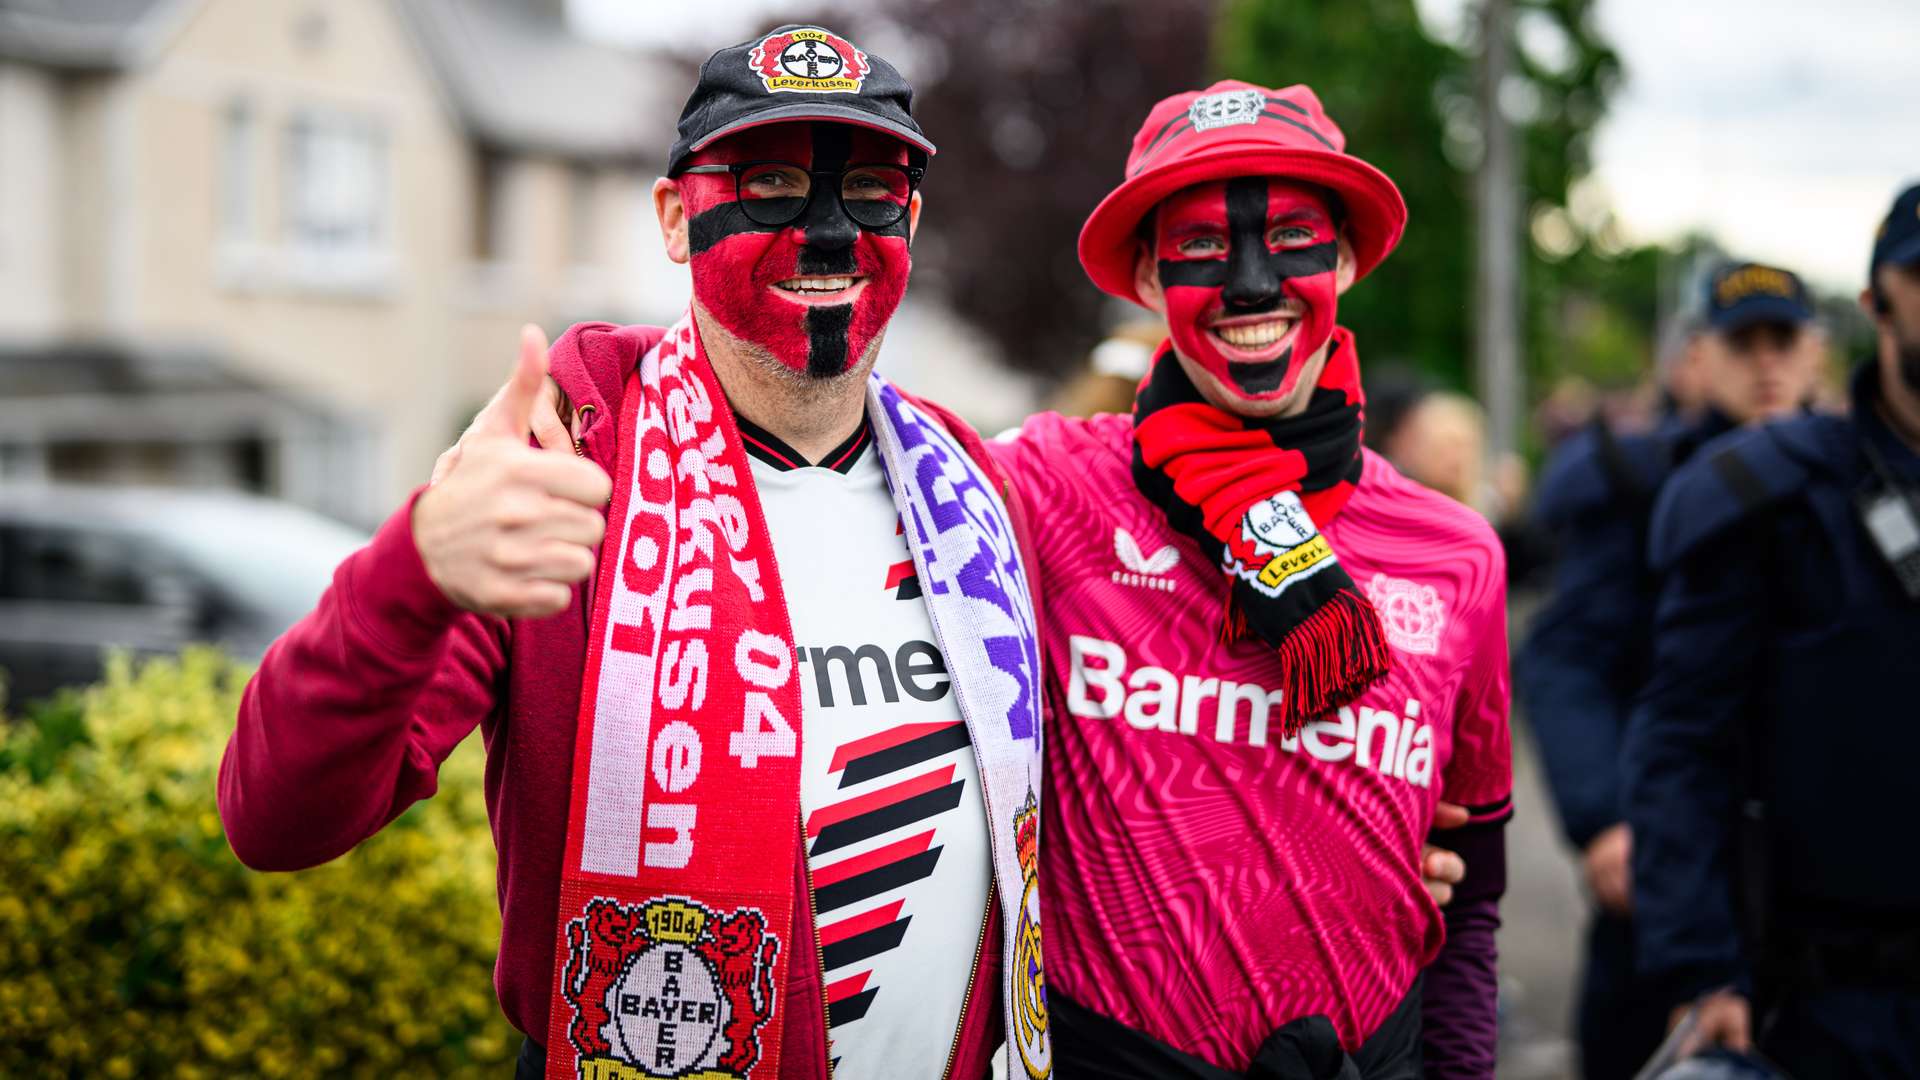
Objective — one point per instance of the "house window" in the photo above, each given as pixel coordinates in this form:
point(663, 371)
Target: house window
point(237, 171)
point(337, 192)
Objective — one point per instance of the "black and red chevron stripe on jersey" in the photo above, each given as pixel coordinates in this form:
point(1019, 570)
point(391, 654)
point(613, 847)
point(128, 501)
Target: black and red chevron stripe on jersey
point(890, 792)
point(918, 797)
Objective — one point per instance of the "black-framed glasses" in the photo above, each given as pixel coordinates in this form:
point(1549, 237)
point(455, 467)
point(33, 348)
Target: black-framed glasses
point(778, 192)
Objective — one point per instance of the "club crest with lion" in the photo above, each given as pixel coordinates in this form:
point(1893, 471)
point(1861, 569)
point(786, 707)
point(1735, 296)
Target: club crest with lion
point(668, 990)
point(1029, 991)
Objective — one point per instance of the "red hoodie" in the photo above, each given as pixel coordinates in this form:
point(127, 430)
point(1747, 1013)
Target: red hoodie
point(353, 710)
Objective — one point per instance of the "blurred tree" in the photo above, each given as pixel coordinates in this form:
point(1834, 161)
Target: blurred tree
point(1404, 98)
point(1033, 104)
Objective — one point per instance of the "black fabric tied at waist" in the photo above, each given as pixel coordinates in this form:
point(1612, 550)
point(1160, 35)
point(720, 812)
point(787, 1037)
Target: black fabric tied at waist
point(1089, 1045)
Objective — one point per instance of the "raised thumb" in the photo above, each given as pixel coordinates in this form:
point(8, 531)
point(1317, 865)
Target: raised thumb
point(510, 413)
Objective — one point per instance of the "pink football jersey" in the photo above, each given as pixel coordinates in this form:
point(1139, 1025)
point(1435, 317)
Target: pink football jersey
point(1206, 880)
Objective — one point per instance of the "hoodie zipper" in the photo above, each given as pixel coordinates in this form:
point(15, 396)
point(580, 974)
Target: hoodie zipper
point(973, 976)
point(819, 952)
point(580, 417)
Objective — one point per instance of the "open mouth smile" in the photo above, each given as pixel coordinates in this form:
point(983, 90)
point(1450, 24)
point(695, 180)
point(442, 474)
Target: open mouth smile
point(1252, 339)
point(821, 289)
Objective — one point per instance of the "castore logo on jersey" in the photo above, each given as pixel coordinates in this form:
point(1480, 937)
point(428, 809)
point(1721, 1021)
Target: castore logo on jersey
point(1139, 570)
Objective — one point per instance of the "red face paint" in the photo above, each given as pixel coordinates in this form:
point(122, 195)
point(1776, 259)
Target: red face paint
point(1249, 259)
point(739, 265)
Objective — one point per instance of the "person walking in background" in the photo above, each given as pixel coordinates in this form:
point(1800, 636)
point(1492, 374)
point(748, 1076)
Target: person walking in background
point(1773, 744)
point(1757, 355)
point(763, 770)
point(1113, 371)
point(1439, 438)
point(1273, 654)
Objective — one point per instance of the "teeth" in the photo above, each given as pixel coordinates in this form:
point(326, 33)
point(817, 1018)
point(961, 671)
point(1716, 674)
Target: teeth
point(833, 284)
point(1253, 335)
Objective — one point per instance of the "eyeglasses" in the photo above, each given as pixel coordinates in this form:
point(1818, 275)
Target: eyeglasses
point(778, 192)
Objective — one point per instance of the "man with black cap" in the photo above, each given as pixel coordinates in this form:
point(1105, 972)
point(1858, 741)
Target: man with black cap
point(1273, 655)
point(1756, 356)
point(1769, 761)
point(754, 656)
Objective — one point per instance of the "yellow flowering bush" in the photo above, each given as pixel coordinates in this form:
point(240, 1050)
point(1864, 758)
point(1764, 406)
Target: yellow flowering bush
point(133, 943)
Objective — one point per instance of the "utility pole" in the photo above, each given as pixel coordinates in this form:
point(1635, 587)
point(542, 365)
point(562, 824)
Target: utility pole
point(1497, 273)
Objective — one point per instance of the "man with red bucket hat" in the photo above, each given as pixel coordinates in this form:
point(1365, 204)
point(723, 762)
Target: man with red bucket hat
point(1271, 655)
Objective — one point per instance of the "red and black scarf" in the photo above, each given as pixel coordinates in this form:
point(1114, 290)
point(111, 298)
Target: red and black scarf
point(1255, 489)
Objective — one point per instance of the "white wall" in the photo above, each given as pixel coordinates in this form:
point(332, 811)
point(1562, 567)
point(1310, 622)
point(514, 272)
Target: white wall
point(30, 171)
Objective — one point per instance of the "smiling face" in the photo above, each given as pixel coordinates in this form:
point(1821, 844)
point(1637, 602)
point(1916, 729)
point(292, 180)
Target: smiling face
point(1248, 273)
point(814, 295)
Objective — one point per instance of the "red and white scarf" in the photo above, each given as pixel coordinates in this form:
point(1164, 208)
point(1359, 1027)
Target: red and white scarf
point(676, 893)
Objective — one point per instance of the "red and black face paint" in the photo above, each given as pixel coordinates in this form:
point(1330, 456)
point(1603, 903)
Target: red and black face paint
point(817, 292)
point(1248, 269)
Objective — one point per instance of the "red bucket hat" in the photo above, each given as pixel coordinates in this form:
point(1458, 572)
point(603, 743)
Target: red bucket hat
point(1237, 129)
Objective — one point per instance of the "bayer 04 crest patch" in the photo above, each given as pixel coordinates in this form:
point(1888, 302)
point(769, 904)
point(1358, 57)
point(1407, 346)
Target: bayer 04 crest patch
point(1281, 527)
point(668, 990)
point(809, 60)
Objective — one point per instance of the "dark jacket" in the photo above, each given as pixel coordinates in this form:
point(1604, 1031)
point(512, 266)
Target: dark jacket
point(1784, 656)
point(1588, 652)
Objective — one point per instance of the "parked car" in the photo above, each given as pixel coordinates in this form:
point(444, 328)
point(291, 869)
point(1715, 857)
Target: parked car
point(83, 569)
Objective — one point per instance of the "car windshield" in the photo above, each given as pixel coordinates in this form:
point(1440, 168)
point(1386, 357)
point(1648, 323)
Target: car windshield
point(269, 556)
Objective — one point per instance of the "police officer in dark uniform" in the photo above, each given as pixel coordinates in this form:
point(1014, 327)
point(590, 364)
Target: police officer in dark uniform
point(1773, 760)
point(1588, 655)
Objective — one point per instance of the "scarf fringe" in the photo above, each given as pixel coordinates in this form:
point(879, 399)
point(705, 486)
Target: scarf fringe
point(1326, 661)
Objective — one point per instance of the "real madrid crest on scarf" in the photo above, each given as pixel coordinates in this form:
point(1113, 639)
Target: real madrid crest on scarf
point(1027, 979)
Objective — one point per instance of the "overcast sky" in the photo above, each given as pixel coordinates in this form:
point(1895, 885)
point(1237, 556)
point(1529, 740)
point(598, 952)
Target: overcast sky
point(1782, 127)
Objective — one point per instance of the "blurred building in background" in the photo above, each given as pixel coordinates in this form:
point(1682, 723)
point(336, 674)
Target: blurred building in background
point(285, 244)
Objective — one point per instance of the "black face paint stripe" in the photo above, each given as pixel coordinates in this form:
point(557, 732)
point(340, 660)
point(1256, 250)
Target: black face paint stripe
point(827, 339)
point(718, 222)
point(839, 260)
point(1251, 283)
point(827, 230)
point(832, 146)
point(1212, 273)
point(1264, 377)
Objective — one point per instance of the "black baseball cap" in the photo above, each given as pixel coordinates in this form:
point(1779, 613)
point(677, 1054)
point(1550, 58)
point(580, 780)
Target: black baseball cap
point(1742, 294)
point(1898, 240)
point(797, 72)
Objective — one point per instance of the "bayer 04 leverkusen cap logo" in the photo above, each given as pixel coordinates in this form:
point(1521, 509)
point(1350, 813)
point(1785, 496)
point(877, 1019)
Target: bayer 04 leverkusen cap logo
point(809, 60)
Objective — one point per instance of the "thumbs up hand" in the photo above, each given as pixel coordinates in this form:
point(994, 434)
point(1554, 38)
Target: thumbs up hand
point(507, 528)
